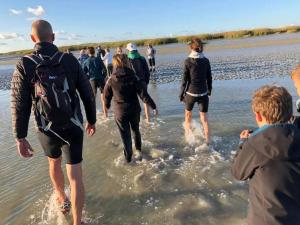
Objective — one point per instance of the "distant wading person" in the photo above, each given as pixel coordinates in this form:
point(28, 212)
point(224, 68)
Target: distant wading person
point(100, 52)
point(48, 80)
point(107, 60)
point(125, 87)
point(151, 57)
point(96, 72)
point(141, 69)
point(196, 86)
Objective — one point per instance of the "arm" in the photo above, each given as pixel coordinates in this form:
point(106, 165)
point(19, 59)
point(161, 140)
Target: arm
point(108, 94)
point(85, 67)
point(145, 97)
point(209, 79)
point(105, 57)
point(246, 161)
point(185, 81)
point(21, 101)
point(146, 69)
point(86, 94)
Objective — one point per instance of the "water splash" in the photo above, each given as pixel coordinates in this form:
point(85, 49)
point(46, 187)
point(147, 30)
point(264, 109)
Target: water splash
point(194, 135)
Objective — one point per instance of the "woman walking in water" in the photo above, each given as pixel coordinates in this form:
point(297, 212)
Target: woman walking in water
point(124, 86)
point(196, 86)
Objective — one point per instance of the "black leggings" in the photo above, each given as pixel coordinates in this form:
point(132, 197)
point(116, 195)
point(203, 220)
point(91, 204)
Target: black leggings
point(152, 61)
point(126, 123)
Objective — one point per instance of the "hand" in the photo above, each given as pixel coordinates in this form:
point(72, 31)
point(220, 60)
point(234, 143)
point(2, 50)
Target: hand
point(209, 93)
point(181, 98)
point(24, 148)
point(245, 134)
point(155, 112)
point(90, 129)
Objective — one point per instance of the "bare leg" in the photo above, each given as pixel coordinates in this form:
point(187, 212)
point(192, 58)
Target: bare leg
point(77, 191)
point(204, 121)
point(57, 178)
point(103, 106)
point(187, 122)
point(147, 113)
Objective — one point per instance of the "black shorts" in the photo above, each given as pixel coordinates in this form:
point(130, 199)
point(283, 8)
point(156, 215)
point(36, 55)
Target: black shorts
point(202, 102)
point(97, 84)
point(53, 146)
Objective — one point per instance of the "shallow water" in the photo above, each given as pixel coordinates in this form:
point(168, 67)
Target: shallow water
point(180, 181)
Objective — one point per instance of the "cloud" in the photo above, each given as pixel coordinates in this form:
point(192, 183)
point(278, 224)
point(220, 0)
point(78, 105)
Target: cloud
point(38, 11)
point(59, 32)
point(15, 11)
point(74, 37)
point(32, 18)
point(11, 36)
point(2, 44)
point(65, 36)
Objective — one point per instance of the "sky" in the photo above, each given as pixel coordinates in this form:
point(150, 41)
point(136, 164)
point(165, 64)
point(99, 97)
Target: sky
point(83, 21)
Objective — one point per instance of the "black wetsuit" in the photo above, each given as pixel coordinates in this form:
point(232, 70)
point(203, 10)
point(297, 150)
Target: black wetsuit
point(125, 87)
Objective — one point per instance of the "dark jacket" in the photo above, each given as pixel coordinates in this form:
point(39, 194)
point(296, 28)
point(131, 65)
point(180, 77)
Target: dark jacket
point(94, 68)
point(271, 160)
point(22, 89)
point(141, 68)
point(197, 77)
point(125, 87)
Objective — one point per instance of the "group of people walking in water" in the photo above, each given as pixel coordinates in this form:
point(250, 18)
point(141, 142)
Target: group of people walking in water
point(53, 83)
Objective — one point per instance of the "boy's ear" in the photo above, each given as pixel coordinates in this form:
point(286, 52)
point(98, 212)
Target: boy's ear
point(258, 117)
point(33, 38)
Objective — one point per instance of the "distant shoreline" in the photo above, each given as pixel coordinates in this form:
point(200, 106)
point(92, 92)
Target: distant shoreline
point(179, 39)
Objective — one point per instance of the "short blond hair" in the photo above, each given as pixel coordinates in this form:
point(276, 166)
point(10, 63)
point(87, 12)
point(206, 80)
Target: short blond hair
point(120, 60)
point(296, 72)
point(274, 103)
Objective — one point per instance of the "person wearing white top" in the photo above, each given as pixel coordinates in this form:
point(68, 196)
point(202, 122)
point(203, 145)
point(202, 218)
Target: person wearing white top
point(151, 57)
point(107, 60)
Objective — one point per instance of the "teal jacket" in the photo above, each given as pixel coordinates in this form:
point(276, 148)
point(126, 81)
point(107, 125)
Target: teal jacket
point(94, 68)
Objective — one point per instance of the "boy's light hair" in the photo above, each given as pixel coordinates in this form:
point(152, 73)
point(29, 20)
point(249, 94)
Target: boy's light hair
point(296, 72)
point(274, 103)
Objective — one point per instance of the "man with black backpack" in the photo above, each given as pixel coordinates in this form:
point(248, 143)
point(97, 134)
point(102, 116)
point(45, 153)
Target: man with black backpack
point(49, 81)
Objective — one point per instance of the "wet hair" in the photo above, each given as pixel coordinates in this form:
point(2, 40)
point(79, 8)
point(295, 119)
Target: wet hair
point(274, 103)
point(42, 30)
point(296, 72)
point(91, 50)
point(120, 60)
point(196, 45)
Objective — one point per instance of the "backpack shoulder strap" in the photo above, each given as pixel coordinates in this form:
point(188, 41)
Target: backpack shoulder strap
point(57, 55)
point(34, 58)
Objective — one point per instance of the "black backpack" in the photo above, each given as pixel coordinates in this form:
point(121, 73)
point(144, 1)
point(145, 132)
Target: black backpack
point(53, 102)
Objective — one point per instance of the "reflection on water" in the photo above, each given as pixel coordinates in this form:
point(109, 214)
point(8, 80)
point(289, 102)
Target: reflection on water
point(179, 182)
